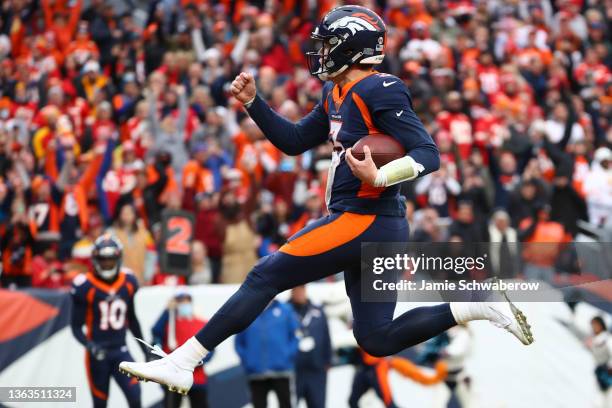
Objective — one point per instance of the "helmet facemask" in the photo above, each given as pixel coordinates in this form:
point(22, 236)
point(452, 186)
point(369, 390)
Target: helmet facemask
point(107, 265)
point(319, 61)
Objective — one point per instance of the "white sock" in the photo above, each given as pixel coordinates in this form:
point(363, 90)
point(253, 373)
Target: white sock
point(464, 312)
point(189, 355)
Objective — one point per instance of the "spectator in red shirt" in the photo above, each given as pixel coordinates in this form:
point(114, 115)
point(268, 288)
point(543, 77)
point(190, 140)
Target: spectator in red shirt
point(176, 325)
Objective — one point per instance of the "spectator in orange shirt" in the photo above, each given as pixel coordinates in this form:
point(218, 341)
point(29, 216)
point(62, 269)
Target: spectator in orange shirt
point(196, 177)
point(543, 243)
point(62, 18)
point(82, 48)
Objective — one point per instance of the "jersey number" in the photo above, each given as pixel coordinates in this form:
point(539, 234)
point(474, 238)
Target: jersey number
point(334, 129)
point(179, 234)
point(39, 212)
point(112, 314)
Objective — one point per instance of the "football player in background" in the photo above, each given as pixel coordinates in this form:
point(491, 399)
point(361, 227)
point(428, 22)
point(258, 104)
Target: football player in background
point(103, 302)
point(363, 202)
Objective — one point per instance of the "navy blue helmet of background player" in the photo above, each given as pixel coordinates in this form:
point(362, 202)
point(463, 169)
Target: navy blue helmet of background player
point(106, 256)
point(347, 35)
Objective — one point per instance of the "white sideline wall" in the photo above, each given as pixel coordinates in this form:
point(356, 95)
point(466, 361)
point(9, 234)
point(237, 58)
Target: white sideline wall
point(556, 371)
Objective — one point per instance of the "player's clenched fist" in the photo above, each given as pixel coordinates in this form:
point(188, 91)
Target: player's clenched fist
point(243, 87)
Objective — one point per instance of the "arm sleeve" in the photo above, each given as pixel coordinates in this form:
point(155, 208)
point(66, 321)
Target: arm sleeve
point(407, 128)
point(78, 317)
point(291, 138)
point(133, 323)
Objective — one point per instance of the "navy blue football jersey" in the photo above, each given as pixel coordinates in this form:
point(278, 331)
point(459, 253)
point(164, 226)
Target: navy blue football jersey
point(107, 308)
point(377, 103)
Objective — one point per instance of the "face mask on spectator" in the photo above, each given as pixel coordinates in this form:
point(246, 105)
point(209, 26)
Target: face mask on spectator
point(185, 310)
point(287, 164)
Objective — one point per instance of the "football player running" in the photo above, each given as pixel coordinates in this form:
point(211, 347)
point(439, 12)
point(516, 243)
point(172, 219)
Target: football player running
point(363, 201)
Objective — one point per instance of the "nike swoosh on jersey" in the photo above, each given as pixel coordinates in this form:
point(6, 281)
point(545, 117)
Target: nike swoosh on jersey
point(386, 84)
point(398, 114)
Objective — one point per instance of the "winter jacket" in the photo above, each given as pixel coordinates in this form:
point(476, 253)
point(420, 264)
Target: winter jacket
point(268, 347)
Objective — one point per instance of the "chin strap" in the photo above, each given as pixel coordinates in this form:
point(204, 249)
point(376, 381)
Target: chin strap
point(402, 169)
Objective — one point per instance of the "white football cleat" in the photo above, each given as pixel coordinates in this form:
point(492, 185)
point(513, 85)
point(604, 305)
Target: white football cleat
point(507, 316)
point(163, 371)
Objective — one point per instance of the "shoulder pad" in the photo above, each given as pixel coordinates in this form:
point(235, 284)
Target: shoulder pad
point(130, 277)
point(384, 91)
point(127, 271)
point(79, 286)
point(386, 81)
point(79, 280)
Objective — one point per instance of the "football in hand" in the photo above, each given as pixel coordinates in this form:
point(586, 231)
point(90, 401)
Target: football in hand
point(384, 148)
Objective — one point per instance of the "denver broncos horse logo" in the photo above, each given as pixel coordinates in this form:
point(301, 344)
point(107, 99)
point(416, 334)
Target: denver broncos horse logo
point(355, 22)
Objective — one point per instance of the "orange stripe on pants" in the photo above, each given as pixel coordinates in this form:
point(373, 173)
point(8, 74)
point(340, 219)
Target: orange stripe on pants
point(382, 372)
point(343, 229)
point(96, 392)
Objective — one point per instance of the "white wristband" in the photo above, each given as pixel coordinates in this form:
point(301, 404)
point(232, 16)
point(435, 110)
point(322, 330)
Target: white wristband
point(402, 169)
point(249, 103)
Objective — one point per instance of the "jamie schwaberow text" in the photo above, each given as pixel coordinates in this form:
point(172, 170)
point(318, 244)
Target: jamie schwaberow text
point(460, 285)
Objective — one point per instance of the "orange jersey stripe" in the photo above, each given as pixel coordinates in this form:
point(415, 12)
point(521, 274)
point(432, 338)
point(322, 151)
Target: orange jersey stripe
point(89, 313)
point(365, 113)
point(345, 90)
point(130, 288)
point(368, 191)
point(329, 236)
point(105, 286)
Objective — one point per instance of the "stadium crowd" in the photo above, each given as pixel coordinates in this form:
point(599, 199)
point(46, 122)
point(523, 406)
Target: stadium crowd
point(111, 114)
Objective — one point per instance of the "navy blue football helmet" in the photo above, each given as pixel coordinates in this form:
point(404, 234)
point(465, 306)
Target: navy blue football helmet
point(347, 35)
point(106, 257)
